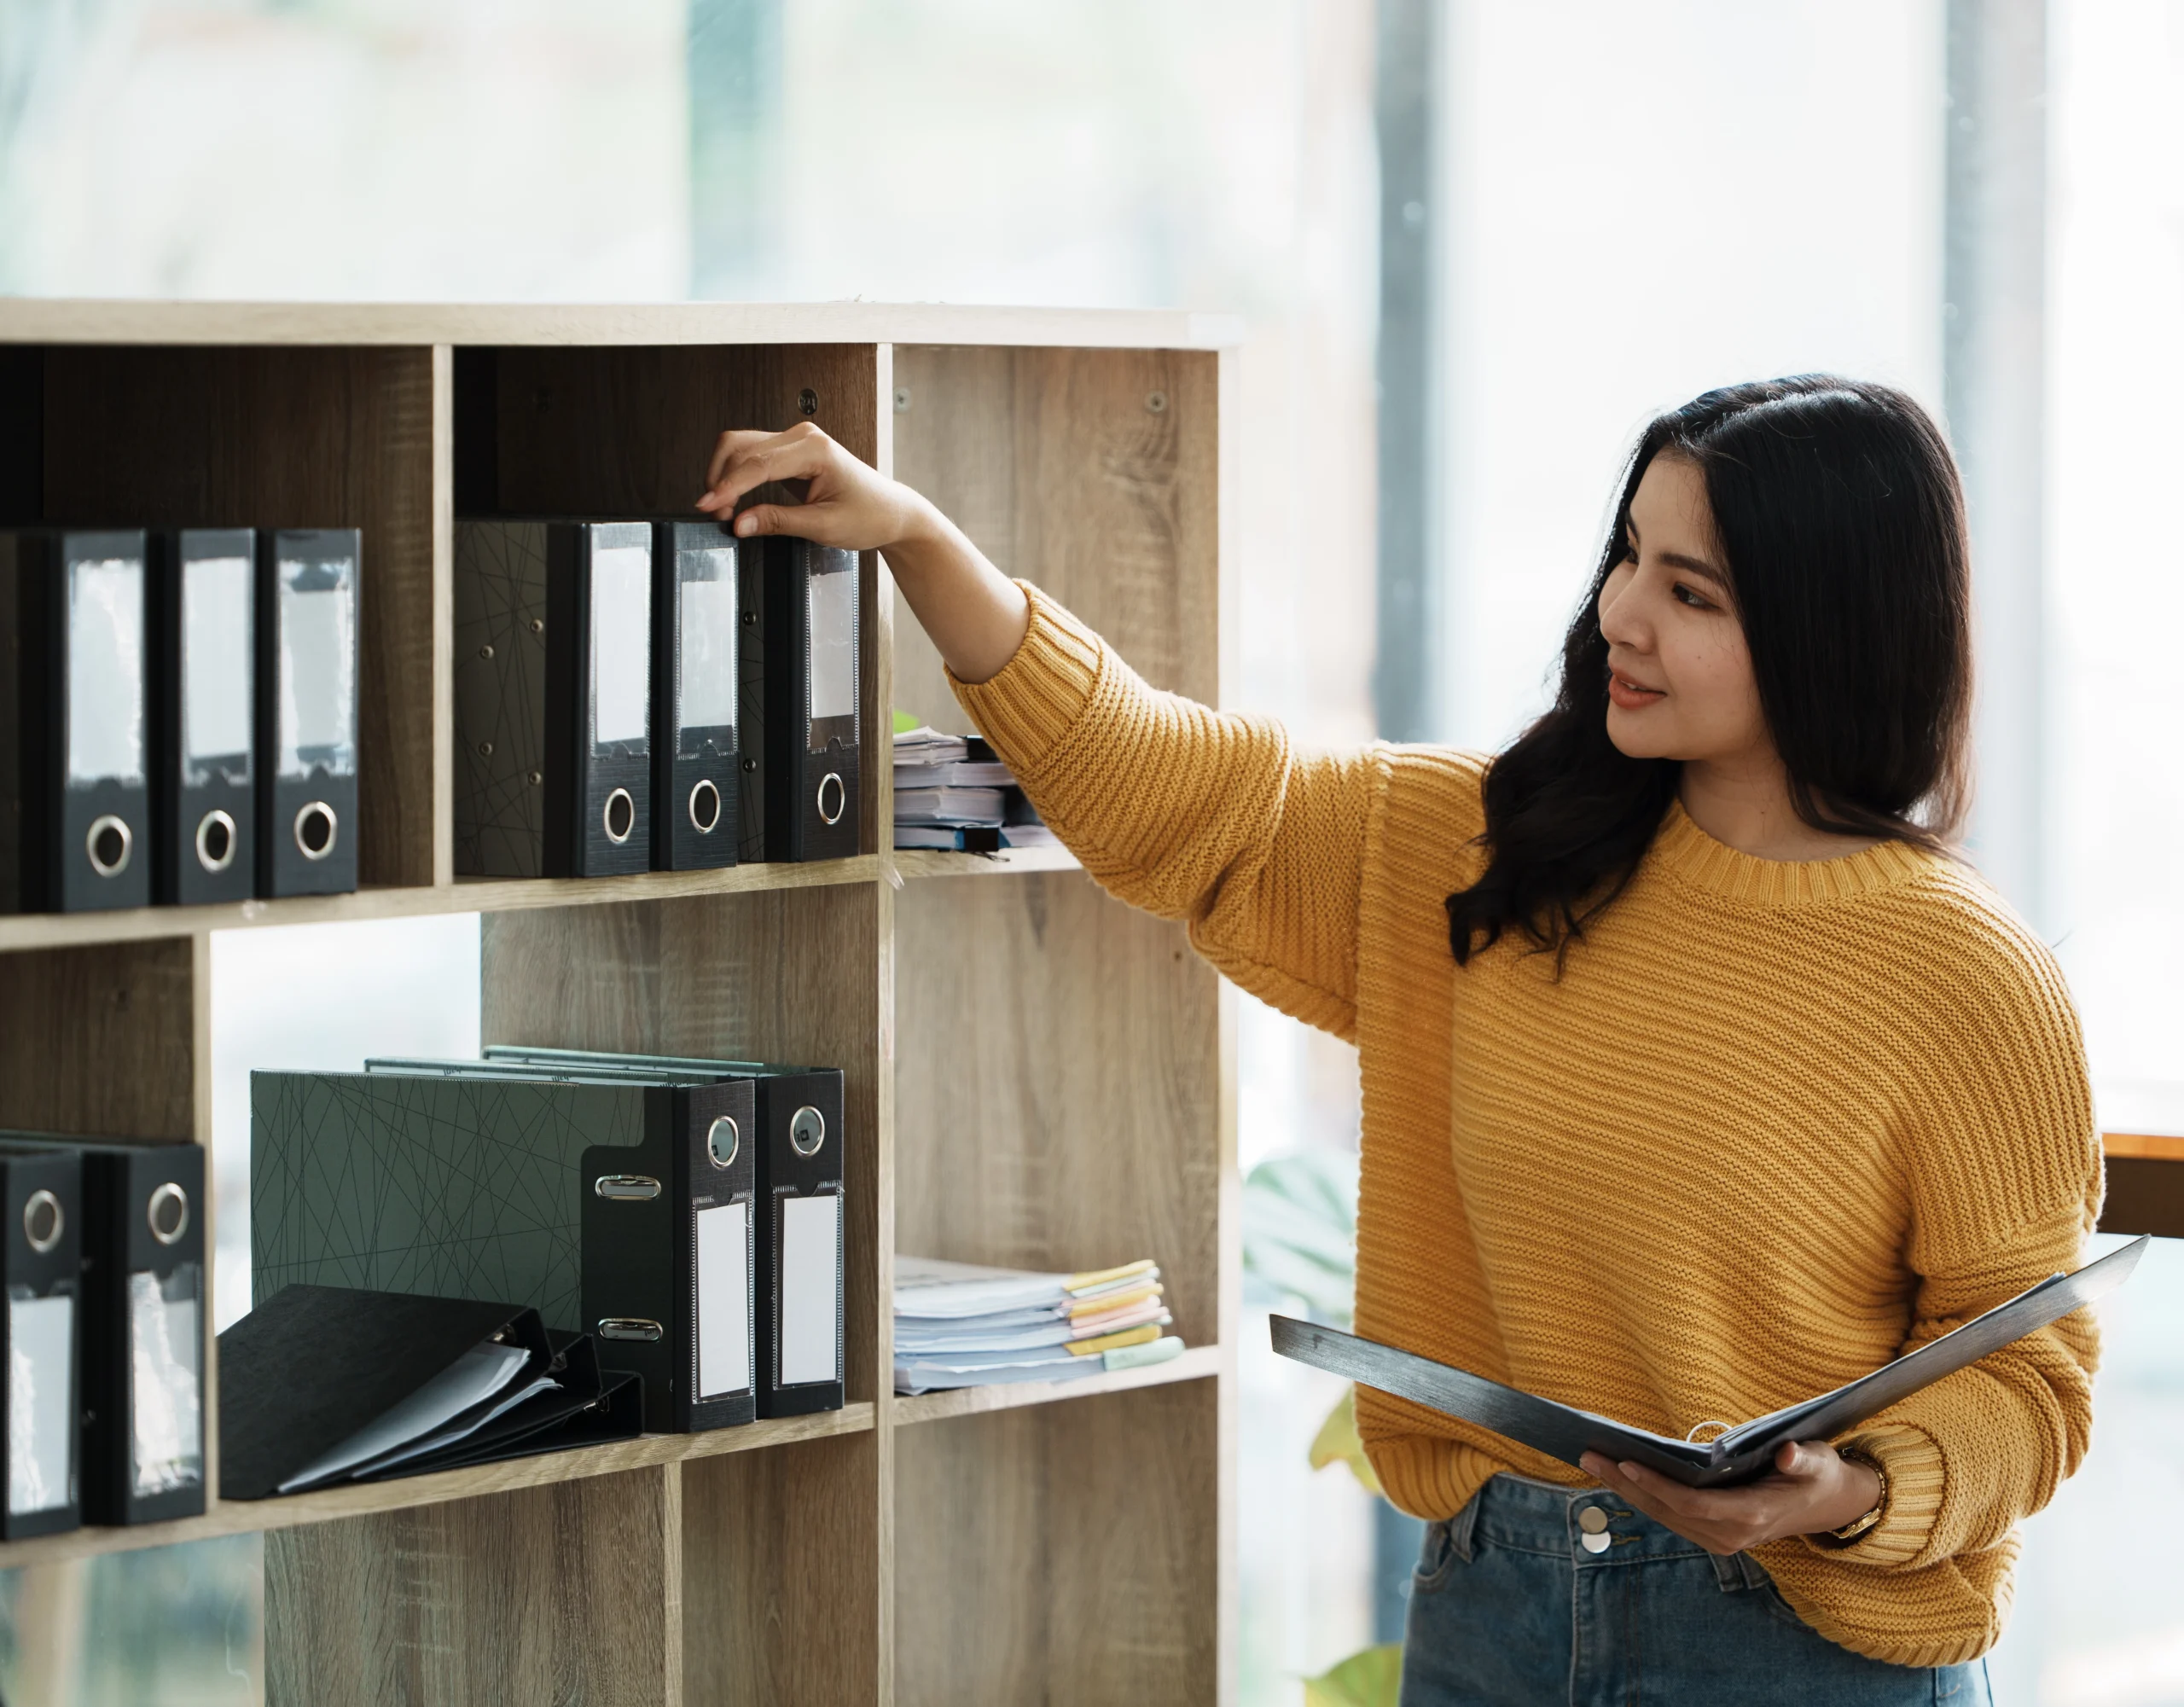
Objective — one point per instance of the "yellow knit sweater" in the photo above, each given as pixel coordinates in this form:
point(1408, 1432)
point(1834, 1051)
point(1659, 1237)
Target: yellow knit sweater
point(1775, 1123)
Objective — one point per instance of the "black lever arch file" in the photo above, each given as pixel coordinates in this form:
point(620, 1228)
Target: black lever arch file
point(804, 647)
point(41, 1248)
point(75, 774)
point(799, 1150)
point(620, 1208)
point(309, 585)
point(693, 696)
point(553, 698)
point(141, 1325)
point(204, 684)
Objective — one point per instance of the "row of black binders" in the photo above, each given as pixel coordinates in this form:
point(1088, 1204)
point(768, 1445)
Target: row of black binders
point(634, 696)
point(686, 1214)
point(182, 712)
point(102, 1370)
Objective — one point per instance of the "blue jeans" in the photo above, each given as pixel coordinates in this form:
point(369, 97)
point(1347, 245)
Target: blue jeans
point(1509, 1606)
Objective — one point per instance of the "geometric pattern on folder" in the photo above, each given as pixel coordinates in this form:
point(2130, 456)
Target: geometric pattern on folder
point(450, 1187)
point(499, 698)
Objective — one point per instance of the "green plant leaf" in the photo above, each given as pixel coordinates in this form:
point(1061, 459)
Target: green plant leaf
point(1337, 1442)
point(1300, 1228)
point(1370, 1678)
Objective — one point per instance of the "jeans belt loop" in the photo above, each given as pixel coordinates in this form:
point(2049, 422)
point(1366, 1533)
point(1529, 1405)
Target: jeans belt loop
point(1737, 1571)
point(1461, 1525)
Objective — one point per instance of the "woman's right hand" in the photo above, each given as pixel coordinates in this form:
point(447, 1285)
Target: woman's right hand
point(847, 503)
point(976, 615)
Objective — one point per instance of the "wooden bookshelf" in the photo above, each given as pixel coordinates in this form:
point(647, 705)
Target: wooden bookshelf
point(1036, 1076)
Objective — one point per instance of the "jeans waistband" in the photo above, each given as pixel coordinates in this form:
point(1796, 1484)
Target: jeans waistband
point(1526, 1516)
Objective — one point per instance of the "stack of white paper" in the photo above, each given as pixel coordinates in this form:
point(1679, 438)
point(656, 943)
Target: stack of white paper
point(948, 796)
point(962, 1325)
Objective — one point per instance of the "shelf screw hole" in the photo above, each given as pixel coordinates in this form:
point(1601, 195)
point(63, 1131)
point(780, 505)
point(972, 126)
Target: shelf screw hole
point(484, 749)
point(538, 625)
point(807, 401)
point(484, 652)
point(901, 399)
point(538, 777)
point(1156, 403)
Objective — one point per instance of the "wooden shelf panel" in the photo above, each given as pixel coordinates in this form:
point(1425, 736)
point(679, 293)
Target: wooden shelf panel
point(1197, 1363)
point(246, 1517)
point(118, 320)
point(466, 895)
point(929, 863)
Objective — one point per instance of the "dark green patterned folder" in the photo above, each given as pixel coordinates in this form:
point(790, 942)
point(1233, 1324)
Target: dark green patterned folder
point(455, 1188)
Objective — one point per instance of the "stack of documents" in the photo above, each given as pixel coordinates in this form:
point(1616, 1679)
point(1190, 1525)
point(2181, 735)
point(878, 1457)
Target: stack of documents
point(960, 1325)
point(950, 791)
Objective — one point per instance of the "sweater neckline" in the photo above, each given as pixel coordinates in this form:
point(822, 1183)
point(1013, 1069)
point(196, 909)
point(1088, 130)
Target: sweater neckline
point(1696, 858)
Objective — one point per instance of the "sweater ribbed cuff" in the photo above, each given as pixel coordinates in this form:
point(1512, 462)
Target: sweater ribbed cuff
point(1027, 708)
point(1917, 1476)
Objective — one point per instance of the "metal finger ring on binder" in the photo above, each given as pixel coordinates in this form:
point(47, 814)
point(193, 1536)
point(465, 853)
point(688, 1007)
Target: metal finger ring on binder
point(107, 844)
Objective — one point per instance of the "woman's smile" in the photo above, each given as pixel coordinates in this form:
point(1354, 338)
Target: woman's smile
point(1632, 696)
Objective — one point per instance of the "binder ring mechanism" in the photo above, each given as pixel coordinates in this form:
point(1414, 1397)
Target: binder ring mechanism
point(168, 1213)
point(316, 829)
point(42, 1221)
point(107, 844)
point(216, 840)
point(620, 816)
point(833, 815)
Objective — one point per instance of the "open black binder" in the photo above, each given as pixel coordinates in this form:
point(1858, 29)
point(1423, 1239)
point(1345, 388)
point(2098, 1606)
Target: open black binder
point(302, 1373)
point(1745, 1453)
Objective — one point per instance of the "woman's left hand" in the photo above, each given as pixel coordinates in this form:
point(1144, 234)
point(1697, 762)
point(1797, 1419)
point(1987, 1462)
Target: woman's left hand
point(1814, 1489)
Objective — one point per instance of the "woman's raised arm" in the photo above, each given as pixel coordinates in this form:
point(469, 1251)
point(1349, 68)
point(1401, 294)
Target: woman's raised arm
point(976, 615)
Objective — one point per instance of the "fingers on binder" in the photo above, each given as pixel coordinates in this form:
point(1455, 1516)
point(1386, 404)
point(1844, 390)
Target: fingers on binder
point(553, 698)
point(76, 769)
point(695, 622)
point(307, 625)
point(41, 1237)
point(204, 641)
point(619, 1206)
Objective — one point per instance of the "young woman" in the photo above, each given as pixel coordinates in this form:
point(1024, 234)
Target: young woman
point(1699, 1076)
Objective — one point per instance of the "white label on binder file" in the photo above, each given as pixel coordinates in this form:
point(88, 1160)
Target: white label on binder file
point(708, 661)
point(41, 1403)
point(164, 1336)
point(317, 685)
point(621, 643)
point(216, 659)
point(811, 1289)
point(833, 606)
point(106, 670)
point(723, 1300)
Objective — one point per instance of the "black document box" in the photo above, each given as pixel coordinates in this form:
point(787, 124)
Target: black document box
point(553, 698)
point(142, 1336)
point(75, 819)
point(204, 722)
point(694, 754)
point(309, 584)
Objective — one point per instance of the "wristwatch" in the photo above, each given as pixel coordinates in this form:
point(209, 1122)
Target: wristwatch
point(1858, 1526)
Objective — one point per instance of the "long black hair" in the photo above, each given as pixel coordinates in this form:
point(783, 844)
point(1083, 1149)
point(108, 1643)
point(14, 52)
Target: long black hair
point(1837, 505)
